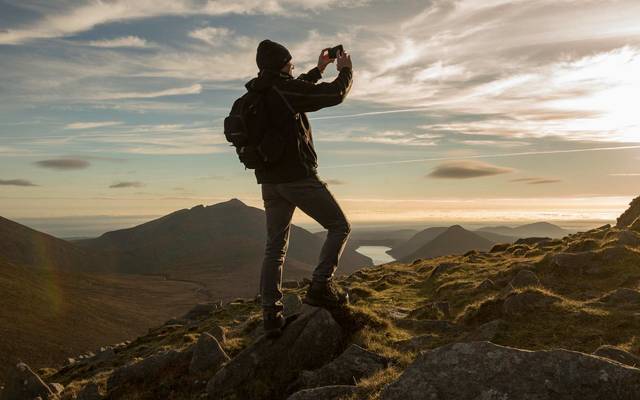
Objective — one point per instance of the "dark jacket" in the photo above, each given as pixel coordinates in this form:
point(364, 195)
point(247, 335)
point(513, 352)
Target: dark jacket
point(303, 95)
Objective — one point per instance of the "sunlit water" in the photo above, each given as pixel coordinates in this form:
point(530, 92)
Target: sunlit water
point(377, 253)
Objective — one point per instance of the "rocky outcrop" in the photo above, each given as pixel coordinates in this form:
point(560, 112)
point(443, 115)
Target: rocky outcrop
point(527, 301)
point(630, 216)
point(482, 370)
point(352, 365)
point(265, 368)
point(208, 355)
point(524, 278)
point(150, 368)
point(23, 383)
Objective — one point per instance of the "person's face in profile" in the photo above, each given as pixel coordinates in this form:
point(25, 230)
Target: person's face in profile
point(288, 68)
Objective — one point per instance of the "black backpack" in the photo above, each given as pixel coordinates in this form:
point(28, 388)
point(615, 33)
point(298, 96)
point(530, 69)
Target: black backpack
point(248, 128)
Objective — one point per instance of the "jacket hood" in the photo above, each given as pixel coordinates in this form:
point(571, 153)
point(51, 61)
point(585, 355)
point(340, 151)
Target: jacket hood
point(265, 80)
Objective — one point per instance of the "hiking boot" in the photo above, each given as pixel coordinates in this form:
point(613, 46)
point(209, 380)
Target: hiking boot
point(273, 321)
point(326, 294)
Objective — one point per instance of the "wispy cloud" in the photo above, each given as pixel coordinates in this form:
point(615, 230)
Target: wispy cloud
point(467, 169)
point(121, 185)
point(126, 41)
point(335, 182)
point(73, 17)
point(91, 125)
point(536, 181)
point(63, 163)
point(214, 36)
point(180, 91)
point(626, 174)
point(16, 182)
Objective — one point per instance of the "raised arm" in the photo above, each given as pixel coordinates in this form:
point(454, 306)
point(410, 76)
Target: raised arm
point(312, 76)
point(305, 96)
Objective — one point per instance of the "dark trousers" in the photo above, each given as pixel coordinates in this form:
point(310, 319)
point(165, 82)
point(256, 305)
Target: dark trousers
point(313, 197)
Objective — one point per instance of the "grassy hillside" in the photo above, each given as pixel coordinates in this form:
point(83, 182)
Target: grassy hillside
point(578, 293)
point(49, 315)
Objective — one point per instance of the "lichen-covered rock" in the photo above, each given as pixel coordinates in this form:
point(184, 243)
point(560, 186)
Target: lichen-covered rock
point(482, 370)
point(524, 278)
point(265, 368)
point(352, 365)
point(324, 393)
point(526, 301)
point(23, 383)
point(619, 355)
point(630, 216)
point(208, 355)
point(150, 368)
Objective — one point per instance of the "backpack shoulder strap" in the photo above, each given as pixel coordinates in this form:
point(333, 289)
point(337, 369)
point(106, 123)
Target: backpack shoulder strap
point(286, 102)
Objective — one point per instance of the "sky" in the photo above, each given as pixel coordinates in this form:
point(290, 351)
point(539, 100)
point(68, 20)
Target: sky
point(462, 111)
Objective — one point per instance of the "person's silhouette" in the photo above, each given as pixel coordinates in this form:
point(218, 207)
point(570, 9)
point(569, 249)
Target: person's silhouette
point(293, 181)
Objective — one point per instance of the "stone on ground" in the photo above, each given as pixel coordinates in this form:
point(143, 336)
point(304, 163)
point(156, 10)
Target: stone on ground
point(265, 368)
point(23, 383)
point(352, 365)
point(482, 370)
point(208, 355)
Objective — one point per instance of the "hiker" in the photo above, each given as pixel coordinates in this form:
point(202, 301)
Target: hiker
point(293, 181)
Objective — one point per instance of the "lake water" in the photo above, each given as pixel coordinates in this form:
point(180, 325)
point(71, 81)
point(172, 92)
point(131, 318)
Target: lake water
point(377, 253)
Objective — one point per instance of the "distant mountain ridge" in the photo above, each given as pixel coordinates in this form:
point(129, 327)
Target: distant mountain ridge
point(537, 229)
point(481, 239)
point(229, 234)
point(454, 240)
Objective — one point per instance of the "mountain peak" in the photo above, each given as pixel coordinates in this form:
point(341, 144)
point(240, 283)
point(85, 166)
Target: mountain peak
point(629, 216)
point(234, 202)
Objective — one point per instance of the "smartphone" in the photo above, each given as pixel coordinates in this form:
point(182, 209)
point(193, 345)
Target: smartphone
point(334, 51)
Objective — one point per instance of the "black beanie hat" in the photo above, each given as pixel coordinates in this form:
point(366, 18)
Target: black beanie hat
point(272, 55)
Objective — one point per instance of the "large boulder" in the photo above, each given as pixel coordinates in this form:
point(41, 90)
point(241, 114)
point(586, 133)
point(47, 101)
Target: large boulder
point(265, 368)
point(629, 216)
point(483, 370)
point(524, 278)
point(23, 383)
point(352, 365)
point(208, 355)
point(150, 368)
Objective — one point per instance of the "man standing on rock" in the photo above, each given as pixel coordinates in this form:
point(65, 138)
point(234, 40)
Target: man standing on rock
point(293, 180)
